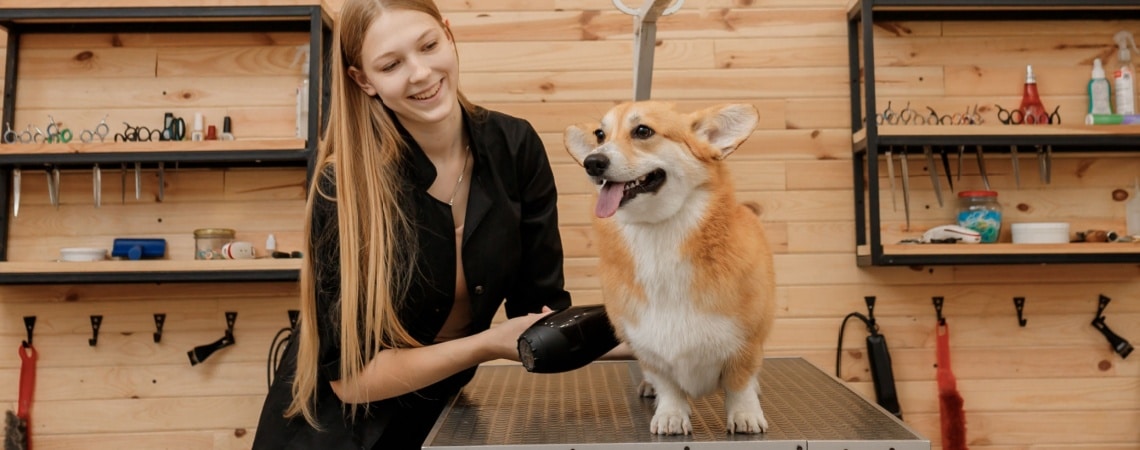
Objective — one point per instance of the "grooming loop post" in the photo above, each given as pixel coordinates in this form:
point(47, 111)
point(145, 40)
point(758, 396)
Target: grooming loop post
point(645, 40)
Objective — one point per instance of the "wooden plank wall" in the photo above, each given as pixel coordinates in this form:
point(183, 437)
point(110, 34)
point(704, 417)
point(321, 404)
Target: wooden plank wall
point(1053, 384)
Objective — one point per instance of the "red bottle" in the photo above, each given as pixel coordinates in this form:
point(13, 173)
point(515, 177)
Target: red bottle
point(1032, 111)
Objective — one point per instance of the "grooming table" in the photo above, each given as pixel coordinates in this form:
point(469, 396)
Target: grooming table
point(598, 407)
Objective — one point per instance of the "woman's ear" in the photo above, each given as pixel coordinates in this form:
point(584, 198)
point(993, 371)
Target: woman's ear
point(447, 29)
point(361, 80)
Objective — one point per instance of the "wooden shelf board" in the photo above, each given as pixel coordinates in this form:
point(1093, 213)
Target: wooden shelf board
point(146, 266)
point(1085, 248)
point(74, 147)
point(1000, 130)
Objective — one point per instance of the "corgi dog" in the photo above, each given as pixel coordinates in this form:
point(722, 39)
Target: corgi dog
point(687, 276)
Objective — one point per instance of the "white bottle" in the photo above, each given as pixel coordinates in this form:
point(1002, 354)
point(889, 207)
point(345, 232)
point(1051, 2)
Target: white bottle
point(1132, 211)
point(1124, 79)
point(1099, 91)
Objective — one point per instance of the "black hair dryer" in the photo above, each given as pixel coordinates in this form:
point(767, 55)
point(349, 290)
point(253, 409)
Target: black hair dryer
point(567, 340)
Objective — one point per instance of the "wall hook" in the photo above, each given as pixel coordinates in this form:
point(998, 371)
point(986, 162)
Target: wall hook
point(96, 322)
point(159, 320)
point(1118, 344)
point(1019, 303)
point(30, 325)
point(293, 316)
point(938, 309)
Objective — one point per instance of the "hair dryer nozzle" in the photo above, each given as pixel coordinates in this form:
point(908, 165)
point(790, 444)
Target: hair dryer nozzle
point(567, 340)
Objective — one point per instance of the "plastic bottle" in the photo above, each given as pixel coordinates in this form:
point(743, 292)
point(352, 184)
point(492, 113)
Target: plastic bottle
point(1124, 78)
point(1099, 91)
point(1031, 108)
point(1132, 211)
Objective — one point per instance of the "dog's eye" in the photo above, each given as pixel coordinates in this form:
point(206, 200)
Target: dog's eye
point(642, 132)
point(601, 135)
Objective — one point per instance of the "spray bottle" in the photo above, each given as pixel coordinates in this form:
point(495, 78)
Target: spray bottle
point(1100, 92)
point(1124, 77)
point(1031, 108)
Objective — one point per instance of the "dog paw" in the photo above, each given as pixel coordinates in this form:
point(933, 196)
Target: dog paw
point(645, 389)
point(750, 422)
point(670, 422)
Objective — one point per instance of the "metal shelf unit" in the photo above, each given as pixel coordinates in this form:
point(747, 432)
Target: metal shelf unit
point(310, 19)
point(867, 139)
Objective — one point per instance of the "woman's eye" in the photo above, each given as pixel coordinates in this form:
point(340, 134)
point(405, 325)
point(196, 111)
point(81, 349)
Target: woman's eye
point(431, 45)
point(642, 132)
point(390, 66)
point(601, 135)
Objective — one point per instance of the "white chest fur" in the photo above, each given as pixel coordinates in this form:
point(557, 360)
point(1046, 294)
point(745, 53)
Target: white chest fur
point(671, 333)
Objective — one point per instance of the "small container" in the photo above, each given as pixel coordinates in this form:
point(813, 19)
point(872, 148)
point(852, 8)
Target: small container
point(981, 212)
point(1040, 233)
point(208, 242)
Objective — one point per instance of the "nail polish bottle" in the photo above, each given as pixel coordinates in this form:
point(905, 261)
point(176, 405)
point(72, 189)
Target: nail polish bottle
point(227, 133)
point(211, 133)
point(196, 135)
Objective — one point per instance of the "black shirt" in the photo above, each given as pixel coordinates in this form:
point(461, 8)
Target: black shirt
point(512, 252)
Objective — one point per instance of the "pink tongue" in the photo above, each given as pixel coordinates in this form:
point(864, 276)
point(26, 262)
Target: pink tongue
point(609, 199)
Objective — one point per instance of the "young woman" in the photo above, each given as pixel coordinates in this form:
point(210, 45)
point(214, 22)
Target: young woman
point(425, 215)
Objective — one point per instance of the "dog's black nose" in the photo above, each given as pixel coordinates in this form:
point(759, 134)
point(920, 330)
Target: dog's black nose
point(596, 165)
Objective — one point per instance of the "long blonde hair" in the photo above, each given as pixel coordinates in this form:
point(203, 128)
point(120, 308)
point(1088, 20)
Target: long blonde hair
point(376, 238)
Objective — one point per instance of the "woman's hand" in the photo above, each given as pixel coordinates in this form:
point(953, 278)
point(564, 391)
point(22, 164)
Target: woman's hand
point(502, 340)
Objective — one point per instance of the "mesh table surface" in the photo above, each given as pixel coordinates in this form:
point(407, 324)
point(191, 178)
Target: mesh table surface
point(598, 407)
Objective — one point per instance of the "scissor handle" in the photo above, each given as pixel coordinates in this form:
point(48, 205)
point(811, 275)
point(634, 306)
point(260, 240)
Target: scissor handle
point(10, 136)
point(39, 135)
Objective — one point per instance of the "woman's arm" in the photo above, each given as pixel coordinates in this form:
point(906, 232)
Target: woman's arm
point(396, 372)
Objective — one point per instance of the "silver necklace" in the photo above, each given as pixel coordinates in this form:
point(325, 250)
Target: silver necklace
point(458, 182)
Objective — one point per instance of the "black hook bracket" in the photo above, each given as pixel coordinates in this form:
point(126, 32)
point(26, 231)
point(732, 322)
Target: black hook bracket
point(96, 322)
point(159, 320)
point(294, 315)
point(201, 352)
point(1019, 303)
point(938, 309)
point(1118, 344)
point(871, 325)
point(30, 325)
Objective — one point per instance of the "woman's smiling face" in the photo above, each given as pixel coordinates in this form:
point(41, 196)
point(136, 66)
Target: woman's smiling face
point(409, 62)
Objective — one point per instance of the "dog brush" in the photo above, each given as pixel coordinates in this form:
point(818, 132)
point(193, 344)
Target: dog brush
point(17, 426)
point(950, 403)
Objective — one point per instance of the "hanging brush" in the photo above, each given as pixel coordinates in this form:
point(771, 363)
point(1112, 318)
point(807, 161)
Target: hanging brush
point(951, 406)
point(17, 427)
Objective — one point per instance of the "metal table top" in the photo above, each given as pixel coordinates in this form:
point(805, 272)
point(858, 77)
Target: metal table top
point(598, 407)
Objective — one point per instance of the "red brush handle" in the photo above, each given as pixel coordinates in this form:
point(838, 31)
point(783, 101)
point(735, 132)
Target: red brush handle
point(28, 357)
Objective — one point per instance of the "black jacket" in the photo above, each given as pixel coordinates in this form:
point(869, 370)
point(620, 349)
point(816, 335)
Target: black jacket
point(512, 252)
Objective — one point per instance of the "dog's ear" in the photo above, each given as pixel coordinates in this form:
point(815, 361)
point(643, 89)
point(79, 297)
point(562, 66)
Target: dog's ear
point(725, 127)
point(580, 141)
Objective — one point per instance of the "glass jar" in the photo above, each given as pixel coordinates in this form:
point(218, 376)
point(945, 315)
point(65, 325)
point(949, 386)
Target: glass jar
point(208, 242)
point(981, 212)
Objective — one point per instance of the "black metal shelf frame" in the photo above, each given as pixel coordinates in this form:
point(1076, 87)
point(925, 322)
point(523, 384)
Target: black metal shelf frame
point(207, 19)
point(215, 276)
point(861, 18)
